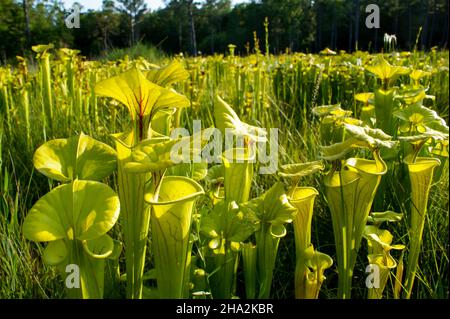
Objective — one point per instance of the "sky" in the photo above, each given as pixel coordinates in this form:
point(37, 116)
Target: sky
point(97, 4)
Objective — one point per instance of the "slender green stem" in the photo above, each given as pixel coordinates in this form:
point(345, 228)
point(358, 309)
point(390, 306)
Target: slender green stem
point(136, 219)
point(345, 271)
point(249, 255)
point(47, 90)
point(26, 106)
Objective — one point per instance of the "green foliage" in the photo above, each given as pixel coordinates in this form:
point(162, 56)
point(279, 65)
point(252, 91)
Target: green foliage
point(75, 217)
point(78, 157)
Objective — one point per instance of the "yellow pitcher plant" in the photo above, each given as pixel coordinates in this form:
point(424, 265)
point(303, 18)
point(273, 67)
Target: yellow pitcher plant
point(379, 243)
point(307, 283)
point(424, 125)
point(350, 188)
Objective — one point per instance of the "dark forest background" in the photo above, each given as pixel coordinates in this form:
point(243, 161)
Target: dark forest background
point(208, 26)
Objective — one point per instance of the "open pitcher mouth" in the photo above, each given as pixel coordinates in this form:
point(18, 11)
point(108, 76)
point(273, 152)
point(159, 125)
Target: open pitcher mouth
point(355, 168)
point(342, 178)
point(219, 193)
point(385, 262)
point(422, 164)
point(240, 155)
point(373, 167)
point(175, 189)
point(302, 194)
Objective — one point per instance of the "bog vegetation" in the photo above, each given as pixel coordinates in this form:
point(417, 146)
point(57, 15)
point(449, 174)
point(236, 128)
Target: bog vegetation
point(87, 178)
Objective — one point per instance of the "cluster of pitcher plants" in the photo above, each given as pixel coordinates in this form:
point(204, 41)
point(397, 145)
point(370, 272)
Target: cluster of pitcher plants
point(167, 204)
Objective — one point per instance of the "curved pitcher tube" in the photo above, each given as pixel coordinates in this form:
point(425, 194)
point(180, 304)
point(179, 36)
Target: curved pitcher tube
point(302, 198)
point(315, 264)
point(385, 264)
point(350, 193)
point(171, 223)
point(421, 177)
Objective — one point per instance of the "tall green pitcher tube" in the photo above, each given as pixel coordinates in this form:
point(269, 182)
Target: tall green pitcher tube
point(135, 215)
point(171, 224)
point(302, 198)
point(421, 176)
point(238, 171)
point(350, 193)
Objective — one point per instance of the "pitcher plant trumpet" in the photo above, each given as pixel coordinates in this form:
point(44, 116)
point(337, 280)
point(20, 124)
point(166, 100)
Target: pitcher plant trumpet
point(424, 125)
point(269, 212)
point(350, 188)
point(379, 243)
point(143, 100)
point(171, 228)
point(307, 284)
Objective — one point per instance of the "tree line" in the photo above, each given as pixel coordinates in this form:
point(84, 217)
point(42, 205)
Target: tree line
point(209, 26)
